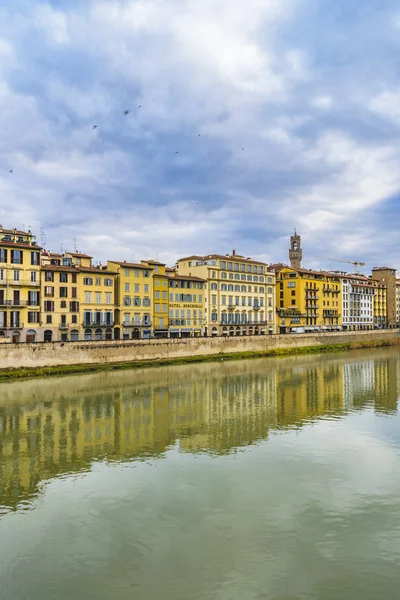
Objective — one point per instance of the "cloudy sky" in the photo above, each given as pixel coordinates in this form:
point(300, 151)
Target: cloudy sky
point(297, 103)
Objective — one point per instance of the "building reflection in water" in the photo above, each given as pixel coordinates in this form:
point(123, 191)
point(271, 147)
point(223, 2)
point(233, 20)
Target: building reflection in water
point(55, 427)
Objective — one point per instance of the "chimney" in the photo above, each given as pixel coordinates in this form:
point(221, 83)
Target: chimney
point(233, 252)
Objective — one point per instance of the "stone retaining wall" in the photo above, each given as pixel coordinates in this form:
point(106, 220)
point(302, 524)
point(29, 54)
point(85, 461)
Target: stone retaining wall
point(72, 353)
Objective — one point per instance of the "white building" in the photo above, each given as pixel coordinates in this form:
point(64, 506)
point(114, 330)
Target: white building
point(357, 302)
point(398, 302)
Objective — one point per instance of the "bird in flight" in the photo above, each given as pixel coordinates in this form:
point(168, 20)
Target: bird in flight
point(11, 170)
point(176, 152)
point(242, 148)
point(126, 112)
point(198, 135)
point(94, 127)
point(140, 106)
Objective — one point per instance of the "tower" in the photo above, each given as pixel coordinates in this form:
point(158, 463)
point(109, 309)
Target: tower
point(295, 251)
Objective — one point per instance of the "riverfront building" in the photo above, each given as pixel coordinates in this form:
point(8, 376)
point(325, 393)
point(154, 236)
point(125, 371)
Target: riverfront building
point(239, 293)
point(19, 285)
point(186, 305)
point(307, 300)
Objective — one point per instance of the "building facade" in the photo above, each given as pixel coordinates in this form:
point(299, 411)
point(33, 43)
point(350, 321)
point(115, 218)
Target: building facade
point(239, 293)
point(380, 306)
point(19, 286)
point(78, 299)
point(295, 251)
point(307, 300)
point(358, 295)
point(186, 305)
point(133, 298)
point(398, 302)
point(387, 277)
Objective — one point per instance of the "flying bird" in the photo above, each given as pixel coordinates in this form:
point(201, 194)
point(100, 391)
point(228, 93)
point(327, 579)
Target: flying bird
point(198, 135)
point(94, 127)
point(242, 148)
point(126, 112)
point(140, 106)
point(11, 170)
point(176, 152)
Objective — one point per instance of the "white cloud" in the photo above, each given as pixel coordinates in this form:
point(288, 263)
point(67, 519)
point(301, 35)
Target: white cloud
point(387, 105)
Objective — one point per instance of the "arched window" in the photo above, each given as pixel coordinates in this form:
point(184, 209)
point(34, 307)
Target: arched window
point(88, 334)
point(243, 288)
point(74, 335)
point(31, 336)
point(98, 334)
point(230, 288)
point(214, 286)
point(223, 287)
point(48, 335)
point(108, 333)
point(237, 288)
point(224, 276)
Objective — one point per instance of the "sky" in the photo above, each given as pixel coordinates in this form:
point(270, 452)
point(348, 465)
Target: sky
point(256, 117)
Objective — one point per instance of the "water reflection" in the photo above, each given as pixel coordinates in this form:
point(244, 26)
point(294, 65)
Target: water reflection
point(53, 427)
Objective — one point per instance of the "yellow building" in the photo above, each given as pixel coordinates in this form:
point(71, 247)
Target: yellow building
point(78, 299)
point(19, 286)
point(380, 306)
point(307, 300)
point(186, 305)
point(239, 293)
point(160, 299)
point(398, 302)
point(133, 298)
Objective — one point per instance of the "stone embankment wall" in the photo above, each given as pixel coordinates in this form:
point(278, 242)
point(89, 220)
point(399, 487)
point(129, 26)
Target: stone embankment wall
point(85, 353)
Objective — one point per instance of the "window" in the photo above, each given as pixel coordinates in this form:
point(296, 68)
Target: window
point(63, 277)
point(146, 288)
point(157, 308)
point(73, 307)
point(33, 276)
point(270, 290)
point(146, 273)
point(164, 308)
point(224, 276)
point(164, 295)
point(270, 280)
point(49, 319)
point(291, 284)
point(3, 255)
point(213, 274)
point(35, 258)
point(87, 281)
point(63, 304)
point(33, 317)
point(294, 302)
point(136, 287)
point(108, 282)
point(108, 297)
point(157, 283)
point(146, 302)
point(74, 292)
point(98, 297)
point(214, 286)
point(249, 278)
point(157, 295)
point(88, 297)
point(49, 305)
point(126, 272)
point(73, 277)
point(223, 264)
point(214, 300)
point(136, 301)
point(16, 257)
point(49, 276)
point(63, 292)
point(293, 292)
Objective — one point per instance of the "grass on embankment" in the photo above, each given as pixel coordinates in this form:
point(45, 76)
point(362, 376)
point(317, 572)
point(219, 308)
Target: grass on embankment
point(25, 373)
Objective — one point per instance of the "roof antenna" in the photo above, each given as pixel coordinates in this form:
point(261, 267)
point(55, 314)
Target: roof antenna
point(62, 248)
point(75, 248)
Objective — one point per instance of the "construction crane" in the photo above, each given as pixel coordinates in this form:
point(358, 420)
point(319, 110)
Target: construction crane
point(355, 263)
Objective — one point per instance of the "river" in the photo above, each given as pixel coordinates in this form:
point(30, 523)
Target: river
point(262, 479)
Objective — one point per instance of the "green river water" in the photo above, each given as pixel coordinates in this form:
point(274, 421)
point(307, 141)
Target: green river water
point(263, 479)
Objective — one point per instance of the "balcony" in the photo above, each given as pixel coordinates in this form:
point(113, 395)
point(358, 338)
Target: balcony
point(63, 326)
point(19, 304)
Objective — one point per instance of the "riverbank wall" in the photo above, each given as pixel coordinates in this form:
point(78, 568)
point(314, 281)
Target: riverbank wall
point(103, 354)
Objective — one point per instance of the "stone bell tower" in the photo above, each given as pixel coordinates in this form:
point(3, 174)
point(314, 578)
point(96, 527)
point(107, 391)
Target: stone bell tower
point(295, 251)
